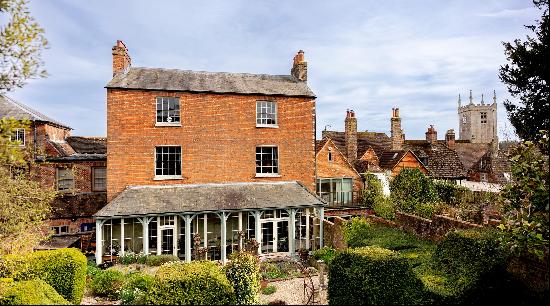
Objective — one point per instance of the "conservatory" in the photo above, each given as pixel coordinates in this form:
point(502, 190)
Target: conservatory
point(210, 221)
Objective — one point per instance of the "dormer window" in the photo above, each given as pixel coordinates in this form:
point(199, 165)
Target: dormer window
point(168, 111)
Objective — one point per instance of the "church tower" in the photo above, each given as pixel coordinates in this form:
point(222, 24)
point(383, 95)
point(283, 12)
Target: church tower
point(478, 122)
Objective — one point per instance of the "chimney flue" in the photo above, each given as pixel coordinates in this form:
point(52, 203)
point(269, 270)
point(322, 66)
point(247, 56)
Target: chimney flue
point(397, 136)
point(299, 67)
point(350, 135)
point(431, 134)
point(121, 58)
point(450, 138)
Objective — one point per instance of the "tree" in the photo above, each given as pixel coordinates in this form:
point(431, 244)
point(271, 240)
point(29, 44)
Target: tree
point(527, 77)
point(24, 203)
point(21, 43)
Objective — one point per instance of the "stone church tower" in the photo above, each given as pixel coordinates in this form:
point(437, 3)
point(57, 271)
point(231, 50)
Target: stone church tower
point(478, 122)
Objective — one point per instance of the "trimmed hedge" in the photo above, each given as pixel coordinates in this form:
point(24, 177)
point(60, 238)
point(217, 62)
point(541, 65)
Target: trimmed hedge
point(159, 260)
point(243, 272)
point(194, 283)
point(63, 269)
point(373, 276)
point(32, 292)
point(108, 283)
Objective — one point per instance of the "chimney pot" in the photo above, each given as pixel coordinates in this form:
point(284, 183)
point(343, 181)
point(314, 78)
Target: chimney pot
point(350, 136)
point(431, 134)
point(299, 67)
point(397, 136)
point(450, 138)
point(121, 58)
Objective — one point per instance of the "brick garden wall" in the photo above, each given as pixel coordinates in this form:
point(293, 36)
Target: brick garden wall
point(434, 229)
point(333, 234)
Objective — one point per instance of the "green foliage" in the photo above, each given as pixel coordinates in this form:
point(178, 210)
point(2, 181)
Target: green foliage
point(526, 229)
point(108, 283)
point(135, 288)
point(21, 43)
point(279, 269)
point(356, 230)
point(63, 269)
point(195, 283)
point(243, 272)
point(159, 260)
point(325, 253)
point(92, 269)
point(449, 193)
point(384, 208)
point(373, 192)
point(373, 276)
point(526, 75)
point(411, 190)
point(32, 292)
point(131, 258)
point(267, 290)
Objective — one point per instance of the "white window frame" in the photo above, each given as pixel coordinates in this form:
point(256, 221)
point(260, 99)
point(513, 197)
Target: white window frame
point(168, 177)
point(259, 119)
point(163, 123)
point(57, 179)
point(278, 162)
point(17, 135)
point(94, 188)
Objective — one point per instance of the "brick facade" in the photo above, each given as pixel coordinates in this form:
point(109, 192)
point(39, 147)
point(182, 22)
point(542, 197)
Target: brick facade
point(338, 167)
point(218, 136)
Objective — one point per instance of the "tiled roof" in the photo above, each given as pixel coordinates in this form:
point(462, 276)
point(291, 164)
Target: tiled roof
point(379, 142)
point(11, 108)
point(495, 164)
point(469, 153)
point(319, 144)
point(210, 82)
point(88, 145)
point(79, 148)
point(443, 163)
point(150, 200)
point(389, 159)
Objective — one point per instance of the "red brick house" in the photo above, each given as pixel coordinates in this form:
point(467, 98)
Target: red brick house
point(212, 156)
point(74, 166)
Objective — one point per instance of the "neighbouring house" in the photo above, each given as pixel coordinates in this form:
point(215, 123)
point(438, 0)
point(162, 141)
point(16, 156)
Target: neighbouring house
point(75, 166)
point(204, 163)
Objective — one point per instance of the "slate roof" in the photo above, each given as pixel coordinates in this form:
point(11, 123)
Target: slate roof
point(88, 145)
point(79, 148)
point(443, 163)
point(210, 82)
point(167, 199)
point(58, 242)
point(11, 108)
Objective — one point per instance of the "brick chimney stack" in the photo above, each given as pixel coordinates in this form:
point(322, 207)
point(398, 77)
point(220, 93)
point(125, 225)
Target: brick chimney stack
point(450, 138)
point(121, 58)
point(431, 134)
point(350, 136)
point(397, 136)
point(299, 67)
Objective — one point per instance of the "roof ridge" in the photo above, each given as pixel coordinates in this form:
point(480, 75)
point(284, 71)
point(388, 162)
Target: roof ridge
point(217, 72)
point(209, 185)
point(34, 113)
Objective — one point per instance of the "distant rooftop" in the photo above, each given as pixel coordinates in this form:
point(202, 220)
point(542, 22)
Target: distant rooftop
point(11, 108)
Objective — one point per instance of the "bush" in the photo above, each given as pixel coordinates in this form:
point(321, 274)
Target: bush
point(63, 269)
point(411, 188)
point(108, 284)
point(269, 290)
point(195, 283)
point(326, 254)
point(135, 288)
point(450, 193)
point(425, 210)
point(384, 208)
point(32, 292)
point(159, 260)
point(131, 258)
point(243, 272)
point(373, 192)
point(372, 276)
point(356, 231)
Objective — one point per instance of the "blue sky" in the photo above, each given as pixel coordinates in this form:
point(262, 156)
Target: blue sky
point(368, 56)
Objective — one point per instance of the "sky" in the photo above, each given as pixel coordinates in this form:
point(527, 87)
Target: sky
point(368, 56)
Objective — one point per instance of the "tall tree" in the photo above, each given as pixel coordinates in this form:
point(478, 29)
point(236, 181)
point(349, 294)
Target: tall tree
point(527, 77)
point(21, 43)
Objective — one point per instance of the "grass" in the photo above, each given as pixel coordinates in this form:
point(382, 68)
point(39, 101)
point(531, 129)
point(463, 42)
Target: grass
point(269, 290)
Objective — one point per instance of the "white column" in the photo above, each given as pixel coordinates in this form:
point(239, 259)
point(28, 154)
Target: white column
point(205, 231)
point(159, 237)
point(223, 216)
point(99, 241)
point(258, 230)
point(307, 228)
point(175, 237)
point(292, 231)
point(240, 230)
point(145, 227)
point(188, 220)
point(121, 236)
point(275, 236)
point(321, 221)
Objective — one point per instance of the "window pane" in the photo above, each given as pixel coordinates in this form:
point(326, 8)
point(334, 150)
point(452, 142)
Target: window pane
point(168, 161)
point(168, 109)
point(266, 112)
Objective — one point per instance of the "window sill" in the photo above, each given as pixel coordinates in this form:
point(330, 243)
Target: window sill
point(167, 177)
point(176, 124)
point(269, 126)
point(267, 175)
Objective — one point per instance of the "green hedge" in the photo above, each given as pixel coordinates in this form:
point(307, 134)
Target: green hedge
point(63, 269)
point(372, 276)
point(449, 192)
point(325, 253)
point(243, 272)
point(159, 260)
point(108, 283)
point(195, 283)
point(410, 190)
point(32, 292)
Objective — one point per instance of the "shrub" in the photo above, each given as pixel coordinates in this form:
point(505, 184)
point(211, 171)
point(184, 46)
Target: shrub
point(269, 290)
point(159, 260)
point(449, 193)
point(195, 283)
point(108, 284)
point(63, 269)
point(373, 192)
point(135, 288)
point(243, 272)
point(356, 231)
point(32, 292)
point(131, 258)
point(325, 253)
point(372, 276)
point(384, 208)
point(425, 210)
point(411, 187)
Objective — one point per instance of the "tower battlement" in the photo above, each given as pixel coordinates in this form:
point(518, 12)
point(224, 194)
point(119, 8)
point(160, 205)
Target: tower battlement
point(478, 121)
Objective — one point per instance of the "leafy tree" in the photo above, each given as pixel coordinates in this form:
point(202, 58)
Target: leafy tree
point(527, 77)
point(413, 192)
point(24, 203)
point(21, 43)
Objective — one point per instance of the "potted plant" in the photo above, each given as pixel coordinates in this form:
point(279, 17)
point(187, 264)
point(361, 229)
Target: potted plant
point(303, 253)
